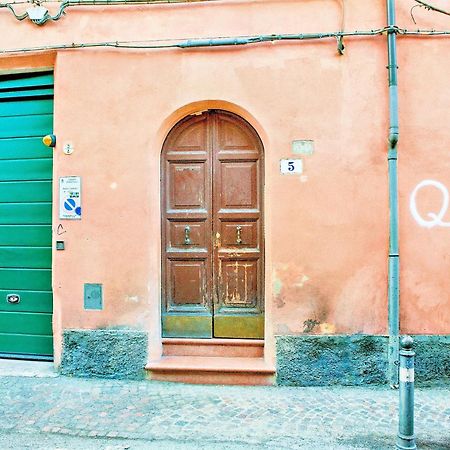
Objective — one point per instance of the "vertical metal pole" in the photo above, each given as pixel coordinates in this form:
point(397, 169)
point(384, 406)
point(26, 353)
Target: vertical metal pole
point(394, 257)
point(405, 438)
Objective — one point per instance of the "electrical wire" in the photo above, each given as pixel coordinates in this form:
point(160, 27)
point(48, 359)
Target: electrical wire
point(97, 2)
point(68, 3)
point(430, 7)
point(224, 41)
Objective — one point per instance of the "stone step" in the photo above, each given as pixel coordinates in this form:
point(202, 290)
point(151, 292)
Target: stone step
point(241, 348)
point(211, 370)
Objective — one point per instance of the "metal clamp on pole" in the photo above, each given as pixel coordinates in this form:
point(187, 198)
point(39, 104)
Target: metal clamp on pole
point(405, 438)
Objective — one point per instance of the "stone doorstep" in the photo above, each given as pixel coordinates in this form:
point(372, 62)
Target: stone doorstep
point(213, 347)
point(212, 370)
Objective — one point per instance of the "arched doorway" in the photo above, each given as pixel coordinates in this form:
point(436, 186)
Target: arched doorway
point(212, 228)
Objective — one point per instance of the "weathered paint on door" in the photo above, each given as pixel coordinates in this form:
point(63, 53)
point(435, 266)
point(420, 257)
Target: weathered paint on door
point(212, 243)
point(26, 115)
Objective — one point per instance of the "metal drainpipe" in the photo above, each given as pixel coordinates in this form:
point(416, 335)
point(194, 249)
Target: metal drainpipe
point(394, 258)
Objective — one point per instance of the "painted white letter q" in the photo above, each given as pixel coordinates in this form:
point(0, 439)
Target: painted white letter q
point(436, 219)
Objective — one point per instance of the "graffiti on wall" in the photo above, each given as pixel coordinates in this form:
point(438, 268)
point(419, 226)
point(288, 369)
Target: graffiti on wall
point(433, 219)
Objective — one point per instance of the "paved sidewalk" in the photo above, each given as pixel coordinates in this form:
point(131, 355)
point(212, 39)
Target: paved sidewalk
point(70, 413)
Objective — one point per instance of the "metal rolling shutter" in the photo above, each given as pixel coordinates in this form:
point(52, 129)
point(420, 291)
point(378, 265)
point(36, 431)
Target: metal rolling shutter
point(26, 115)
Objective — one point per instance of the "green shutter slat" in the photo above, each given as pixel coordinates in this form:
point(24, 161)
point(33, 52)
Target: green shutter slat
point(26, 81)
point(26, 257)
point(26, 107)
point(25, 214)
point(25, 191)
point(25, 323)
point(26, 235)
point(30, 301)
point(24, 148)
point(28, 345)
point(26, 126)
point(32, 279)
point(26, 170)
point(45, 93)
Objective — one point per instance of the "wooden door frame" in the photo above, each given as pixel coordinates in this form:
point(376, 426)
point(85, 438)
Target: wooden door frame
point(265, 276)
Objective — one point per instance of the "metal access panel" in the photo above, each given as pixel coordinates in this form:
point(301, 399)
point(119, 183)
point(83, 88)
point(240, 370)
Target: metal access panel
point(93, 296)
point(26, 115)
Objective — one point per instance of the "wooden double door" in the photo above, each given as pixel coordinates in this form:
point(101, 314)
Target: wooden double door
point(212, 228)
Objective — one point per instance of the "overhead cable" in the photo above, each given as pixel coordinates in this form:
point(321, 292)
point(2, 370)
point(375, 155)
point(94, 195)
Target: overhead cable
point(224, 41)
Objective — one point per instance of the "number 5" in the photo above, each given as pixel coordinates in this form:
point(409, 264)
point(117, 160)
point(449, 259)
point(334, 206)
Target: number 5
point(291, 166)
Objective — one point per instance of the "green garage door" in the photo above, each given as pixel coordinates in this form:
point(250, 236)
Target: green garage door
point(26, 115)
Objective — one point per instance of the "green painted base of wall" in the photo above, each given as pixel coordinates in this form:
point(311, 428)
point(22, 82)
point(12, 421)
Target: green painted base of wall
point(353, 360)
point(104, 353)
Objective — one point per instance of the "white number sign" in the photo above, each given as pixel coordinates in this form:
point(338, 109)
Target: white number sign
point(291, 166)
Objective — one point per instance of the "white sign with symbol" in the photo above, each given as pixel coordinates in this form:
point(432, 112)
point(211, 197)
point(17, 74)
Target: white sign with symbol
point(70, 198)
point(291, 166)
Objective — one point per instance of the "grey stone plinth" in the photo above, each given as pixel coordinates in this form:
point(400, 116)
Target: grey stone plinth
point(313, 360)
point(432, 360)
point(331, 360)
point(104, 353)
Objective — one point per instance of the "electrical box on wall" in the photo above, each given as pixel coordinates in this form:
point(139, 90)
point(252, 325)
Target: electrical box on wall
point(93, 296)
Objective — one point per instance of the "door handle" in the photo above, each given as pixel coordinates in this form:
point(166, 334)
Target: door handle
point(13, 298)
point(216, 240)
point(187, 235)
point(238, 235)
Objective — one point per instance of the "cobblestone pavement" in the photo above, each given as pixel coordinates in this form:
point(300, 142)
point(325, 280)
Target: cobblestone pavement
point(124, 414)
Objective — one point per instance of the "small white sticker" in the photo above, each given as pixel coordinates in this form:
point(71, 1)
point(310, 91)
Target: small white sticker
point(406, 375)
point(291, 166)
point(70, 198)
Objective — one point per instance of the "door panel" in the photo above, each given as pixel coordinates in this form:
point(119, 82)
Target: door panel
point(239, 279)
point(187, 185)
point(212, 229)
point(194, 232)
point(26, 115)
point(237, 193)
point(187, 285)
point(247, 232)
point(238, 180)
point(186, 172)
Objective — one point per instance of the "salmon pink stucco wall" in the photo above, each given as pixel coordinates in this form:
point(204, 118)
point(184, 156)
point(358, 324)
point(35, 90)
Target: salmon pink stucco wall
point(326, 230)
point(425, 137)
